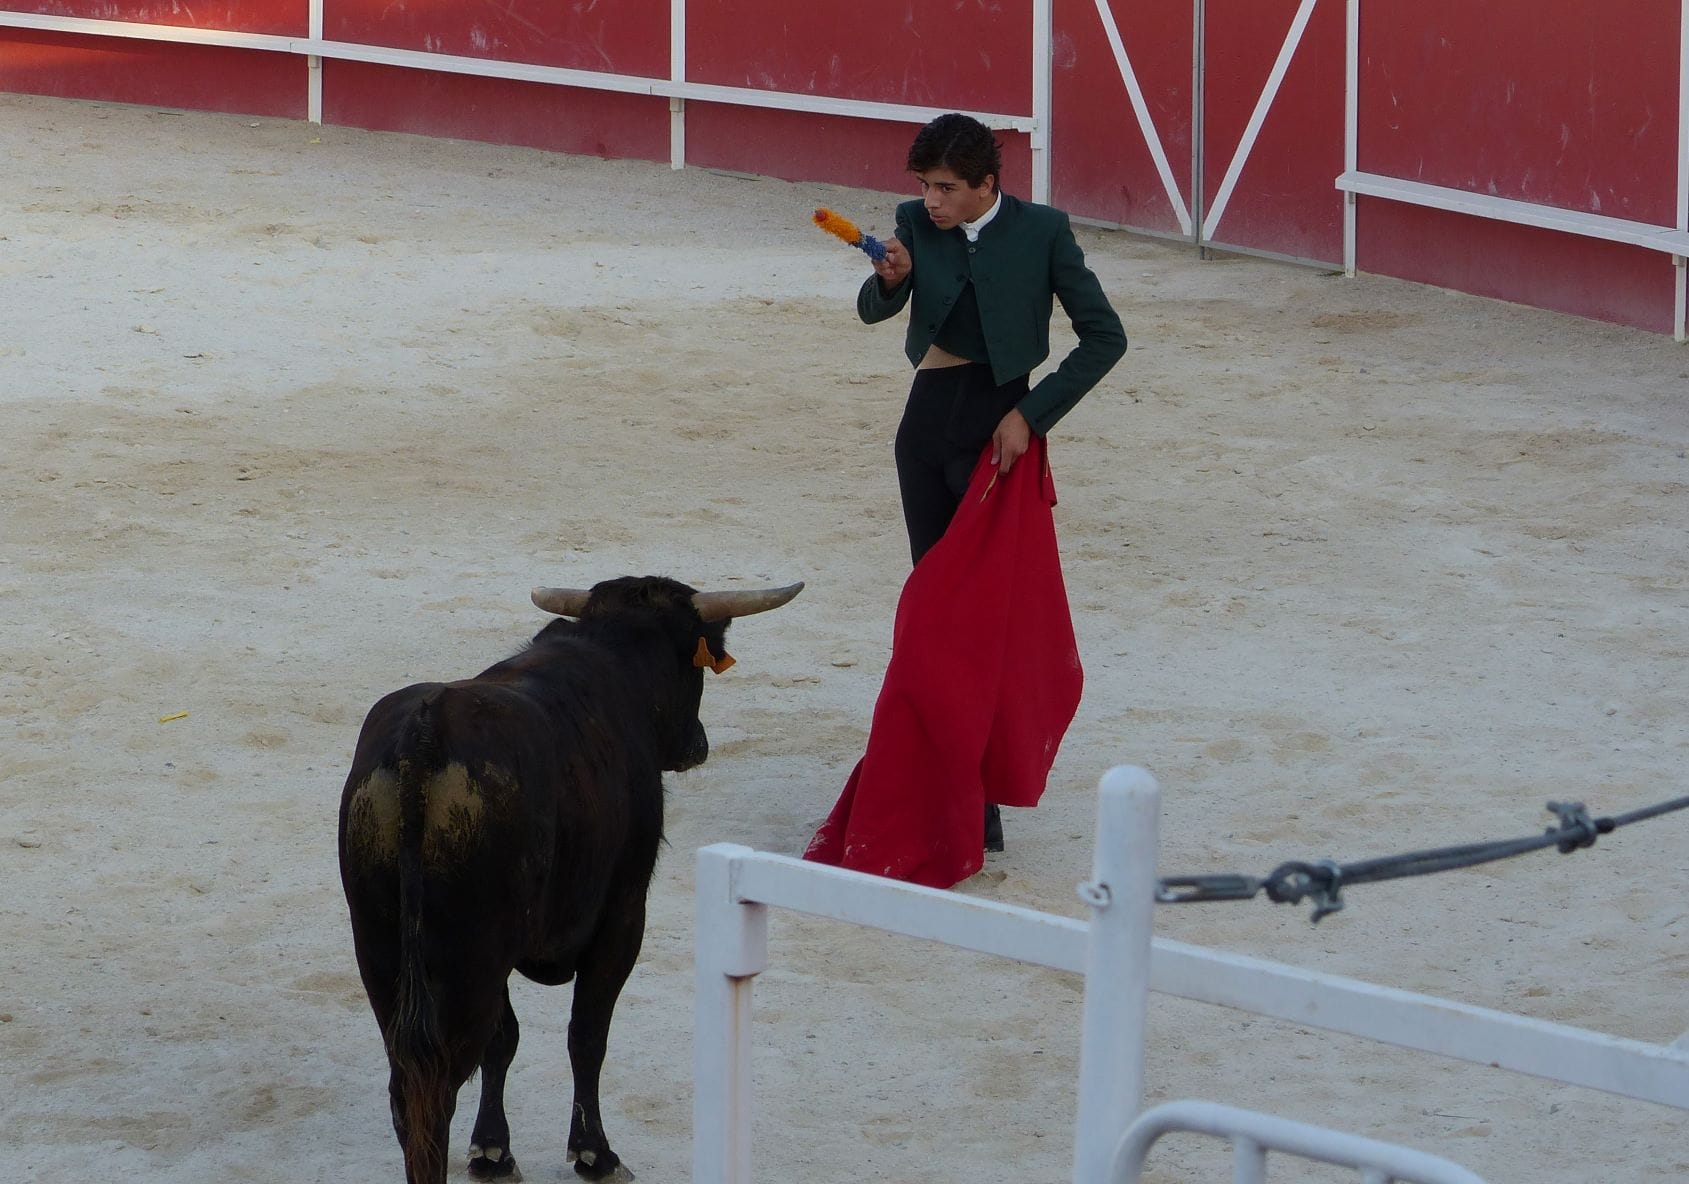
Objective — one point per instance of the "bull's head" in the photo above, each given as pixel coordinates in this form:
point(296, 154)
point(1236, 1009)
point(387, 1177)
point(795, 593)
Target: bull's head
point(696, 623)
point(711, 606)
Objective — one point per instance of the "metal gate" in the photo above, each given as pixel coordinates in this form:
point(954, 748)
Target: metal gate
point(1215, 121)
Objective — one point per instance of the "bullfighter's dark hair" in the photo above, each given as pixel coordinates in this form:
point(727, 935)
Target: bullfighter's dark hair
point(961, 144)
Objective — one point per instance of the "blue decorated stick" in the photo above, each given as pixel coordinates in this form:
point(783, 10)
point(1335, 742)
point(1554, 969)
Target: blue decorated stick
point(843, 228)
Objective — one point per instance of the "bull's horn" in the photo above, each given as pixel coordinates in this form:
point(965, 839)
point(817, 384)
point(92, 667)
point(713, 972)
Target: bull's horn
point(565, 602)
point(714, 606)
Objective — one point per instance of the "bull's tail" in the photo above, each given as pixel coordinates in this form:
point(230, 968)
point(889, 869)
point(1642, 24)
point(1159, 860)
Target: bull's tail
point(413, 1036)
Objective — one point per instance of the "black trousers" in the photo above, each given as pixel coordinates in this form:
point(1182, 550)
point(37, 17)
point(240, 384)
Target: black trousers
point(951, 415)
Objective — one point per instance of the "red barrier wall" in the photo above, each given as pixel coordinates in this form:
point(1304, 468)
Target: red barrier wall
point(888, 51)
point(836, 150)
point(1545, 101)
point(1586, 277)
point(627, 37)
point(1574, 107)
point(282, 17)
point(158, 74)
point(531, 114)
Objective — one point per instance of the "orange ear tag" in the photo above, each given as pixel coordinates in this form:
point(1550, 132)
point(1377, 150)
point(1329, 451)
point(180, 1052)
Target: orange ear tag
point(703, 659)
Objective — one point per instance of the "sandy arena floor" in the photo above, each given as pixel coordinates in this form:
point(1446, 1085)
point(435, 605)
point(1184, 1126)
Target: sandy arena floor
point(294, 416)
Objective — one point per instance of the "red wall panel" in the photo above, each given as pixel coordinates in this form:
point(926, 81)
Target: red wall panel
point(117, 70)
point(1285, 201)
point(281, 17)
point(974, 56)
point(1558, 102)
point(1553, 102)
point(1586, 277)
point(832, 149)
point(1101, 164)
point(498, 111)
point(626, 37)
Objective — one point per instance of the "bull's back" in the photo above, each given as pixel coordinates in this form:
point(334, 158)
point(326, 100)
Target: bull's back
point(453, 747)
point(524, 816)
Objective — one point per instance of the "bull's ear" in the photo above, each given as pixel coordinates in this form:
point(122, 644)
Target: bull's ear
point(704, 659)
point(721, 606)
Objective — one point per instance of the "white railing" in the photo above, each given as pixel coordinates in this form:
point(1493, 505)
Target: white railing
point(1122, 962)
point(1252, 1135)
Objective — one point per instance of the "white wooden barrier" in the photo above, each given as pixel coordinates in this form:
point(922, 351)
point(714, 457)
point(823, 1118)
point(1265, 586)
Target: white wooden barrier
point(1121, 961)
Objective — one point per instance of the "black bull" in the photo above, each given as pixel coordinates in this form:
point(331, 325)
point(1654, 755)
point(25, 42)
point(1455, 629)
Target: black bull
point(511, 822)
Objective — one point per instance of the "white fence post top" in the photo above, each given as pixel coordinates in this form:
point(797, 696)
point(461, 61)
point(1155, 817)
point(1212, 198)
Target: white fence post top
point(1127, 779)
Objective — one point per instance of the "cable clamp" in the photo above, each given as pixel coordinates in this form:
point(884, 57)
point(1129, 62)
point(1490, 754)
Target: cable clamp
point(1320, 881)
point(1576, 827)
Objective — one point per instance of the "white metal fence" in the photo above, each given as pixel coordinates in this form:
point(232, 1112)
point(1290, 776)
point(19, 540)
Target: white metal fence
point(1252, 1135)
point(1122, 962)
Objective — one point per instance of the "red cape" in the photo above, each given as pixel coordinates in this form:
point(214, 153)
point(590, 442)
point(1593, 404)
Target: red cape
point(983, 680)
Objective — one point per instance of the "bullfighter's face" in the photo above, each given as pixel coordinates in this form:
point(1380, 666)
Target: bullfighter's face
point(950, 200)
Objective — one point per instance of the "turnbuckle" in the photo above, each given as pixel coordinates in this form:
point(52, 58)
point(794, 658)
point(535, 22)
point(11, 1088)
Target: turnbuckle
point(1189, 889)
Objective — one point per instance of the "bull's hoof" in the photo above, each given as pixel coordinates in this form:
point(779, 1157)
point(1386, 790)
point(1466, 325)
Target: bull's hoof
point(493, 1163)
point(591, 1165)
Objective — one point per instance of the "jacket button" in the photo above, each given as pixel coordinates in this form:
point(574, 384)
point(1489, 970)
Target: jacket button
point(972, 250)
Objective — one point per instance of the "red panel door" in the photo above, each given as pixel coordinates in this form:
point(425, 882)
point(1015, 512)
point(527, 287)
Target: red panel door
point(1272, 127)
point(1117, 157)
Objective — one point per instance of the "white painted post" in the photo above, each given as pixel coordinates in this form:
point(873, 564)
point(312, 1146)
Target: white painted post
point(1351, 127)
point(1680, 313)
point(677, 75)
point(1121, 894)
point(1041, 99)
point(731, 947)
point(314, 64)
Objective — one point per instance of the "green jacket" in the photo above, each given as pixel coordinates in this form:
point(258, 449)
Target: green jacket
point(1025, 256)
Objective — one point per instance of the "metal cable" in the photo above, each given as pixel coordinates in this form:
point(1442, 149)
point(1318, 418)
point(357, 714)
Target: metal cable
point(1322, 881)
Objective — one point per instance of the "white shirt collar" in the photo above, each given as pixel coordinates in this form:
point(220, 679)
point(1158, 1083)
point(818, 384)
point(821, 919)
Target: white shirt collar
point(972, 229)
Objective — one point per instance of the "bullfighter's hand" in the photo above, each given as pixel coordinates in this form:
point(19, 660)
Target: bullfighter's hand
point(1010, 441)
point(895, 267)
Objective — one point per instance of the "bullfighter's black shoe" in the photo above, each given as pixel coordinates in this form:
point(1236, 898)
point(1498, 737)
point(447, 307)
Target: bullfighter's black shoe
point(993, 827)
